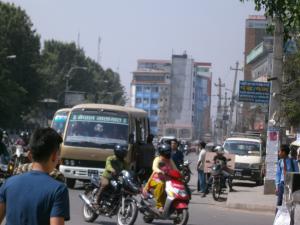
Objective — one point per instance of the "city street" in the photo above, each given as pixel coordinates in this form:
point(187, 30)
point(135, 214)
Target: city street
point(203, 211)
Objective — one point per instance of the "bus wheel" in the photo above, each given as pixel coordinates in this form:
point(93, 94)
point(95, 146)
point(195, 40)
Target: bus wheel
point(70, 182)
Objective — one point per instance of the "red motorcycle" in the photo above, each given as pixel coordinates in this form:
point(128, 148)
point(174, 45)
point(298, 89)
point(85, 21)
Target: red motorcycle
point(176, 205)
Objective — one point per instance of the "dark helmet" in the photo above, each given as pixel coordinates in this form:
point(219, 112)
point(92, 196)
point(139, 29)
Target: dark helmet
point(165, 150)
point(121, 151)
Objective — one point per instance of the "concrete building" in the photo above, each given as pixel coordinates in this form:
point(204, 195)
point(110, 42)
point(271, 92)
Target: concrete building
point(176, 95)
point(202, 102)
point(150, 91)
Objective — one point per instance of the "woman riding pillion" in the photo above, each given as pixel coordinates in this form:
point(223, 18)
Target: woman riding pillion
point(161, 165)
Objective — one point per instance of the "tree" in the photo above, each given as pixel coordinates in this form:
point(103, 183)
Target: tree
point(19, 80)
point(287, 11)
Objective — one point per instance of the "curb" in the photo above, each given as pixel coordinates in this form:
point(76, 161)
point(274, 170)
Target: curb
point(251, 207)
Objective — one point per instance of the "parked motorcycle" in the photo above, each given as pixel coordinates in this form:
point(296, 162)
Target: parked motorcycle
point(176, 205)
point(117, 199)
point(186, 171)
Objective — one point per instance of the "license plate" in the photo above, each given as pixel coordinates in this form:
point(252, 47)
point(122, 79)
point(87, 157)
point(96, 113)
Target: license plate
point(238, 174)
point(93, 172)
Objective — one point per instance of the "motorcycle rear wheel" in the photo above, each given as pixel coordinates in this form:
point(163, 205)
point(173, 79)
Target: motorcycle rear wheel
point(130, 213)
point(88, 214)
point(182, 217)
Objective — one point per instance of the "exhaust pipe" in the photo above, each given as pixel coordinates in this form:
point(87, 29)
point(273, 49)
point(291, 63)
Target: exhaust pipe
point(85, 199)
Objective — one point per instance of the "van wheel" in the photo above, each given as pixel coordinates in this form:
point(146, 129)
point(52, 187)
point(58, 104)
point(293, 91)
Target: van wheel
point(70, 182)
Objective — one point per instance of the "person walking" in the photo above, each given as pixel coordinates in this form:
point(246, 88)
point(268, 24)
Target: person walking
point(177, 155)
point(285, 164)
point(201, 184)
point(48, 202)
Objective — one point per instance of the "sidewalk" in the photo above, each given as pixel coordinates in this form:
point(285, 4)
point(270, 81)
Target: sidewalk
point(251, 198)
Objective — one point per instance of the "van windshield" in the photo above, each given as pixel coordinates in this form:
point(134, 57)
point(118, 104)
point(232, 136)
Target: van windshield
point(242, 147)
point(59, 121)
point(96, 129)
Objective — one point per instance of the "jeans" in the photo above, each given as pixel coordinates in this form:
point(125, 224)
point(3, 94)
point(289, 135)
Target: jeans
point(280, 194)
point(201, 181)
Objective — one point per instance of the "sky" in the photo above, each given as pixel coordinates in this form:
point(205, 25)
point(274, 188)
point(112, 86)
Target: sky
point(208, 30)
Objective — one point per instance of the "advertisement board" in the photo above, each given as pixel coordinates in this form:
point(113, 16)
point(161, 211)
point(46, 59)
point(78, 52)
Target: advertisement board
point(254, 92)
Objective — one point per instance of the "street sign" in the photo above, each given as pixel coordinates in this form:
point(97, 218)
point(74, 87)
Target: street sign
point(255, 92)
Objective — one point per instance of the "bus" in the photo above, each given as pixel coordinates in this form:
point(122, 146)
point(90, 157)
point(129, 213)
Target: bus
point(93, 130)
point(59, 120)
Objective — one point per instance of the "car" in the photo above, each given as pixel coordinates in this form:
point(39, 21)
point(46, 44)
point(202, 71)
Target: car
point(249, 151)
point(166, 139)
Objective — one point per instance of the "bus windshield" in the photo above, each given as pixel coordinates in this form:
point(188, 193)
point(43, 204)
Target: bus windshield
point(59, 121)
point(97, 129)
point(242, 147)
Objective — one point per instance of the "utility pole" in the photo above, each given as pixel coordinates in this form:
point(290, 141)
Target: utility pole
point(225, 118)
point(232, 103)
point(274, 109)
point(219, 119)
point(98, 51)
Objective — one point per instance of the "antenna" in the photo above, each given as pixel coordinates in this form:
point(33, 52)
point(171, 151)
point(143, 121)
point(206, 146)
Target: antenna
point(98, 51)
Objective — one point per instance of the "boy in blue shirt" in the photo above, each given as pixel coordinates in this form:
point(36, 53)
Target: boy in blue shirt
point(285, 164)
point(34, 197)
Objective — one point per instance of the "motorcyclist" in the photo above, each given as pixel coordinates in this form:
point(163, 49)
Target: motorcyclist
point(227, 173)
point(23, 140)
point(114, 165)
point(161, 165)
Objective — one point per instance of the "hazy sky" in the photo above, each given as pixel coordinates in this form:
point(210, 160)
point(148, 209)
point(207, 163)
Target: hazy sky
point(209, 30)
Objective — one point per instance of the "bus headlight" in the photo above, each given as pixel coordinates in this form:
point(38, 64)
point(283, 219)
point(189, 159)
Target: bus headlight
point(66, 162)
point(72, 162)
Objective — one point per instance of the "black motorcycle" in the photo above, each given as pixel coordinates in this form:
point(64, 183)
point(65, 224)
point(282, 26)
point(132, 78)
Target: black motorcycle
point(186, 171)
point(117, 199)
point(219, 181)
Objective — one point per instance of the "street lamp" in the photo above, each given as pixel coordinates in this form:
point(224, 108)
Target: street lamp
point(69, 74)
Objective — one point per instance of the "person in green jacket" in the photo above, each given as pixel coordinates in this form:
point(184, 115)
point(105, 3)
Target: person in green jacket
point(114, 165)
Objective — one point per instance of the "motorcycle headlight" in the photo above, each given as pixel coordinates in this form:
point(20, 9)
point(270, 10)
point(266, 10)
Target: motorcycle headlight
point(255, 166)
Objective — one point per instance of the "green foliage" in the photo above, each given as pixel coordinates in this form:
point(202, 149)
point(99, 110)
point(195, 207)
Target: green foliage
point(20, 81)
point(288, 12)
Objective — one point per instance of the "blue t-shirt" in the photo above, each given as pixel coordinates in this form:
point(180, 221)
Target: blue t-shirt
point(33, 197)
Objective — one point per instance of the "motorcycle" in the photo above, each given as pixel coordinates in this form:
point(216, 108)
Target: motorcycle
point(176, 205)
point(219, 181)
point(20, 156)
point(6, 168)
point(117, 199)
point(186, 171)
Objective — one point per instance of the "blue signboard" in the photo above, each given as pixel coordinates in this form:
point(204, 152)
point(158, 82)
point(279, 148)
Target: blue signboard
point(255, 92)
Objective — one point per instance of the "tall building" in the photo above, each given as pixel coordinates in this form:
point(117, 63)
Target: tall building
point(202, 102)
point(150, 91)
point(176, 95)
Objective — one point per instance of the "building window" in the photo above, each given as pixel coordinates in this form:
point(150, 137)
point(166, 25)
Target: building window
point(153, 113)
point(154, 89)
point(154, 101)
point(147, 89)
point(139, 89)
point(138, 100)
point(146, 101)
point(153, 124)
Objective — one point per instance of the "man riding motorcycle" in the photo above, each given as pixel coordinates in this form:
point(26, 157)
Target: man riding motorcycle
point(227, 173)
point(23, 140)
point(161, 165)
point(114, 165)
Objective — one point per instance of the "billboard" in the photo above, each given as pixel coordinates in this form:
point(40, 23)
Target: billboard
point(255, 92)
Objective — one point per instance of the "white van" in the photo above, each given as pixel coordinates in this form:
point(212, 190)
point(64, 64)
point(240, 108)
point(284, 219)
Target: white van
point(250, 154)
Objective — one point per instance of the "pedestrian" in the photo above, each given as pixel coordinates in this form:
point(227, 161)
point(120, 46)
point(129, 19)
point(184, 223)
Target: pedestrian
point(177, 155)
point(285, 164)
point(34, 197)
point(201, 185)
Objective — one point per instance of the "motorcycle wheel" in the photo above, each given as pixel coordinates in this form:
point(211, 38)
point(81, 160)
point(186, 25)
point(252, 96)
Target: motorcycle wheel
point(88, 214)
point(148, 219)
point(182, 217)
point(216, 191)
point(130, 213)
point(187, 178)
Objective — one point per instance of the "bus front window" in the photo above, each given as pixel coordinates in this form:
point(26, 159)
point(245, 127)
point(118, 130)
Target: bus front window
point(96, 129)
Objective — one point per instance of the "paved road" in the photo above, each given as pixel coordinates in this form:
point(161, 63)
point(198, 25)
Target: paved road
point(203, 211)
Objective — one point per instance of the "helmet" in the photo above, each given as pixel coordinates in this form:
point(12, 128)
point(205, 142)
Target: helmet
point(219, 150)
point(165, 150)
point(121, 151)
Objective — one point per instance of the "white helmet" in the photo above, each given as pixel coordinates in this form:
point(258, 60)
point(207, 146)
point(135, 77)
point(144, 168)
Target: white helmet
point(219, 149)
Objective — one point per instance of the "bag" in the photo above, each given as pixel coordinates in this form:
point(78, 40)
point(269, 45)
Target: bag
point(282, 216)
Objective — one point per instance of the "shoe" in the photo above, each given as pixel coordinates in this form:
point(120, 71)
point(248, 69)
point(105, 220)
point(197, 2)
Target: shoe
point(161, 210)
point(232, 190)
point(203, 195)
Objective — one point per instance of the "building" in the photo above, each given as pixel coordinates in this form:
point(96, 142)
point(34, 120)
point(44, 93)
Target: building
point(176, 95)
point(255, 31)
point(202, 102)
point(150, 91)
